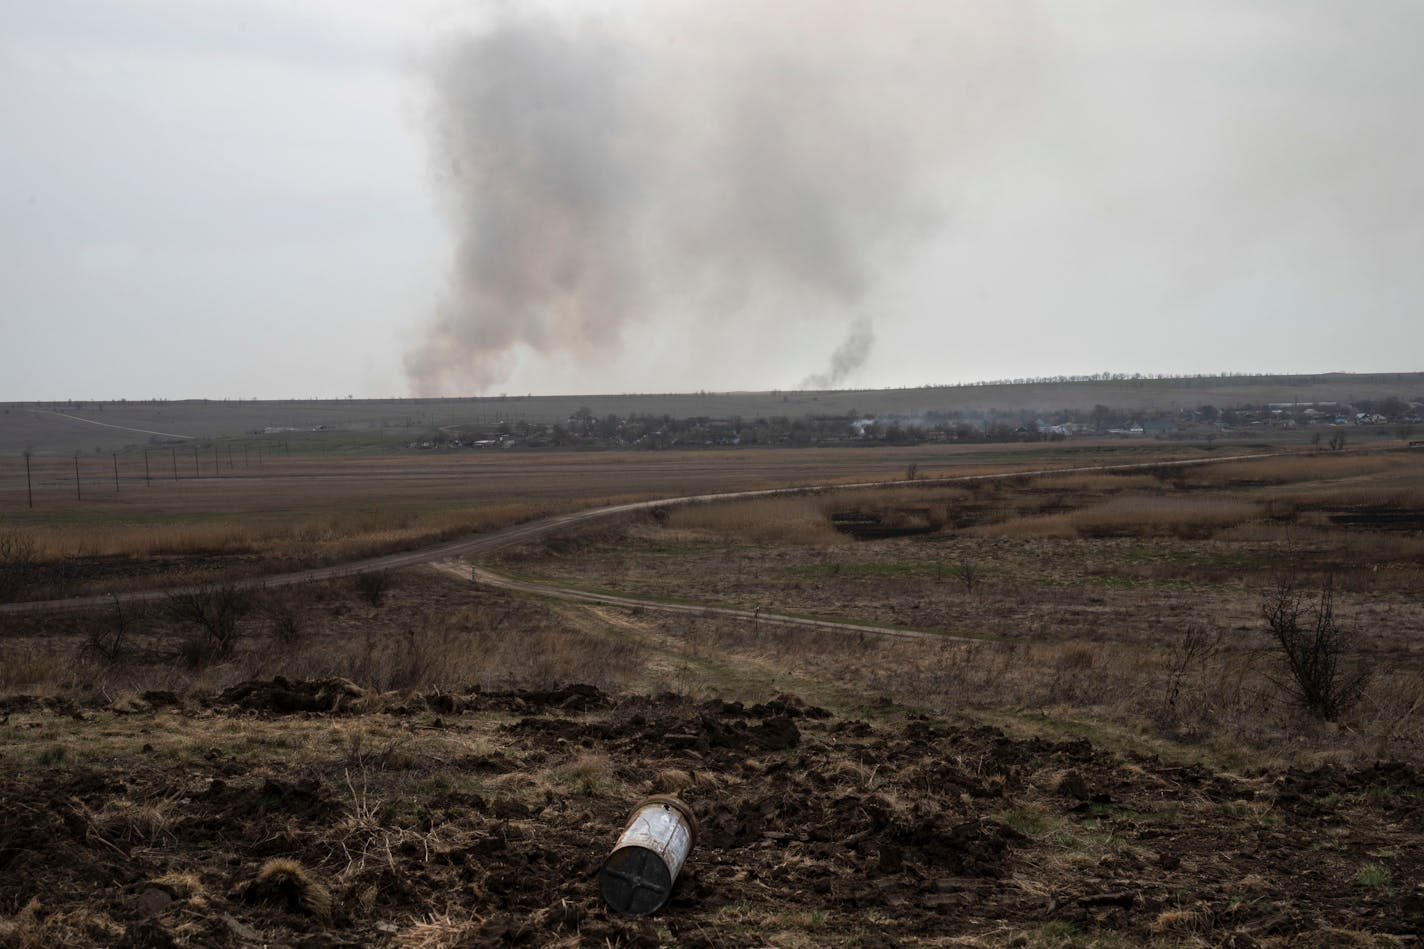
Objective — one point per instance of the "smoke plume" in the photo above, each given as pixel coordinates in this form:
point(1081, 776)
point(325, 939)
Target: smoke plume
point(848, 357)
point(698, 167)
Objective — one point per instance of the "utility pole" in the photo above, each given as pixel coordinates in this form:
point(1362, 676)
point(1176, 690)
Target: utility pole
point(29, 488)
point(78, 496)
point(116, 472)
point(175, 463)
point(147, 478)
point(196, 473)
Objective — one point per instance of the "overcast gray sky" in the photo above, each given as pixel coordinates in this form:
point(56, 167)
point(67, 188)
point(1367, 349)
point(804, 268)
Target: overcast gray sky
point(210, 198)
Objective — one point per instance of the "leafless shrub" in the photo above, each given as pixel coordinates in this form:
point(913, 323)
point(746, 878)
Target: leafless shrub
point(286, 621)
point(212, 614)
point(968, 574)
point(107, 642)
point(1314, 648)
point(412, 663)
point(373, 586)
point(1187, 657)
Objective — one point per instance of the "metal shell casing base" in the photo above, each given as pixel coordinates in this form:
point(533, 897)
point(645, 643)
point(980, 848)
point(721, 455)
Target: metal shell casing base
point(638, 876)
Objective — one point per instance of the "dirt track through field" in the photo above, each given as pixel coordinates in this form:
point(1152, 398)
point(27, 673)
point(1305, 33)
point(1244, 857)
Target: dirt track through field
point(485, 544)
point(491, 579)
point(122, 428)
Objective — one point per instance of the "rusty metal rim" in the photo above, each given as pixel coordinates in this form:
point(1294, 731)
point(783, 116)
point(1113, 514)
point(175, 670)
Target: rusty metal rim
point(674, 802)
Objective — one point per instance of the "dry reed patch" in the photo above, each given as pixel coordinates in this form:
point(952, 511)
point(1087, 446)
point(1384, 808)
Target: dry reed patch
point(806, 520)
point(1100, 482)
point(781, 520)
point(1291, 469)
point(311, 539)
point(31, 668)
point(1134, 516)
point(1137, 515)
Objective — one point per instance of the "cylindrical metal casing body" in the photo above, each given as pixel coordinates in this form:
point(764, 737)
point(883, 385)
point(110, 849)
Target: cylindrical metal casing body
point(638, 875)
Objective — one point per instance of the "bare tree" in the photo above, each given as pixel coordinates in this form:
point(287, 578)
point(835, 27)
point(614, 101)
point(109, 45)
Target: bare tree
point(213, 613)
point(1314, 648)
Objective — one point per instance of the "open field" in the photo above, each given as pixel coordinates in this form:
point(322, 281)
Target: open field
point(1093, 585)
point(1115, 760)
point(287, 514)
point(456, 797)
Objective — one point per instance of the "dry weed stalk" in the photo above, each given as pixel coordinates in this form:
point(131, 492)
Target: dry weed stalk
point(446, 930)
point(365, 839)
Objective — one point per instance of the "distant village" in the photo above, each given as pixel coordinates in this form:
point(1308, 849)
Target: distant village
point(583, 429)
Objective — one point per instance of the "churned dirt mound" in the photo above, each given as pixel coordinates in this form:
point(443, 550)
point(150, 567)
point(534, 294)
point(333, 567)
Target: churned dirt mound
point(313, 812)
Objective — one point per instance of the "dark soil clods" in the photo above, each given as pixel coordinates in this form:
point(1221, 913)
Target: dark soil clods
point(814, 829)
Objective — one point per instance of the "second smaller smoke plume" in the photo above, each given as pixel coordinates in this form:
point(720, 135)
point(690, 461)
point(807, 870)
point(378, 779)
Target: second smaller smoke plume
point(852, 353)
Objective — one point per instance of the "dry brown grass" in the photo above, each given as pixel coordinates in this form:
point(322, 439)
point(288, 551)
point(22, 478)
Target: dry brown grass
point(1226, 702)
point(1099, 482)
point(446, 930)
point(1134, 516)
point(784, 520)
point(316, 539)
point(33, 928)
point(1291, 469)
point(429, 633)
point(126, 823)
point(307, 511)
point(588, 773)
point(34, 668)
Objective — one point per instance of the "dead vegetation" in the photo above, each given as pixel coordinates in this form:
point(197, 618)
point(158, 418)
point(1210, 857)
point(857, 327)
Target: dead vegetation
point(426, 634)
point(480, 818)
point(1124, 760)
point(1140, 610)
